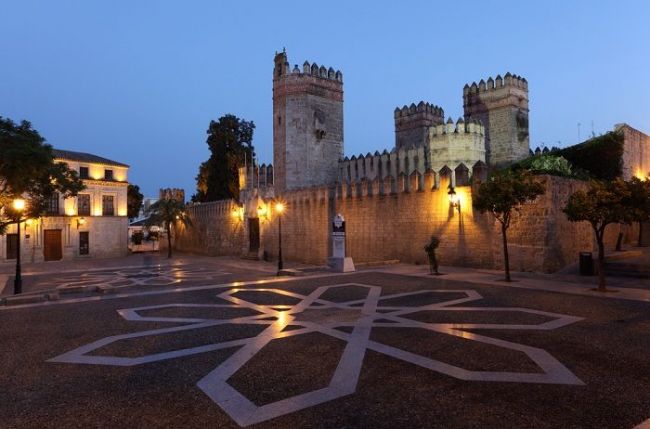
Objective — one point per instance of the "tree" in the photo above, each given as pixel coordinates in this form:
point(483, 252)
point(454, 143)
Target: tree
point(167, 212)
point(28, 170)
point(638, 202)
point(504, 193)
point(133, 201)
point(230, 140)
point(601, 204)
point(430, 249)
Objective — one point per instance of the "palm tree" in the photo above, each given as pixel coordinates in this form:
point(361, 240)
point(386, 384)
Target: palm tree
point(167, 212)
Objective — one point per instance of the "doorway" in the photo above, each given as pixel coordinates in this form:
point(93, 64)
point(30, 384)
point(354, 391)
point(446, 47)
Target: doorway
point(12, 246)
point(254, 234)
point(52, 250)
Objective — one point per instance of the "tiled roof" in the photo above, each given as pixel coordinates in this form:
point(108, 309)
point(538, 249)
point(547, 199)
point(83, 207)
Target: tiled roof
point(84, 157)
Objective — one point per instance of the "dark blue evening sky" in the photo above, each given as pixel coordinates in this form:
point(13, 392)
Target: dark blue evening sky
point(139, 81)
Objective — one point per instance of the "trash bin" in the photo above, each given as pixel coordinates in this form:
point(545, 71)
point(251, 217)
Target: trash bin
point(586, 264)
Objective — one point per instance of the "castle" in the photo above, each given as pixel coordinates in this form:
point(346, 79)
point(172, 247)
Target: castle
point(308, 147)
point(393, 201)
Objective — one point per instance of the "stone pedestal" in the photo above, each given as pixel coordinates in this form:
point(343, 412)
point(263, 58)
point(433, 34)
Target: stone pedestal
point(341, 265)
point(339, 262)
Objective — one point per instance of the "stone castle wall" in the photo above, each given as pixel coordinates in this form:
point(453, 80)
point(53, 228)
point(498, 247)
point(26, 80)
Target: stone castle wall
point(451, 149)
point(217, 229)
point(393, 219)
point(636, 152)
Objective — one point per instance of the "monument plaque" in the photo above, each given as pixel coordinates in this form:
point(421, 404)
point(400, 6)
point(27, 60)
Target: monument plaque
point(339, 262)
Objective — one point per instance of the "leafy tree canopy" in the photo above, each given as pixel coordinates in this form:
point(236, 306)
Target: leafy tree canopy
point(167, 212)
point(600, 157)
point(546, 164)
point(604, 202)
point(504, 192)
point(230, 140)
point(133, 201)
point(28, 170)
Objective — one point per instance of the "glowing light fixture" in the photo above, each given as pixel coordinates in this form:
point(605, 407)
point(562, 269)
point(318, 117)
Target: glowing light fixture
point(81, 222)
point(454, 201)
point(262, 211)
point(238, 213)
point(19, 204)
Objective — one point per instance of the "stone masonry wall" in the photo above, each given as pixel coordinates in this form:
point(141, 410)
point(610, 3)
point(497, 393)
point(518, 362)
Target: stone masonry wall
point(393, 219)
point(217, 229)
point(636, 152)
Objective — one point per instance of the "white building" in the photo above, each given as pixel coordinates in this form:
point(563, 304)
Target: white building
point(91, 225)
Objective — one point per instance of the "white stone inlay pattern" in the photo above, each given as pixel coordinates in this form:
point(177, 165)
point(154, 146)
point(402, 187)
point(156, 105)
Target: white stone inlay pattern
point(361, 315)
point(146, 276)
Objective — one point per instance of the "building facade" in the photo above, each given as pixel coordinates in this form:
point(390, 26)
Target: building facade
point(91, 225)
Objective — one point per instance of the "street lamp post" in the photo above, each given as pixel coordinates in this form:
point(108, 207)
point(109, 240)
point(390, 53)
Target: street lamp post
point(19, 206)
point(279, 208)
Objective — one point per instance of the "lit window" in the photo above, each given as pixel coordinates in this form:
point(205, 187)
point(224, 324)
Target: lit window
point(108, 208)
point(83, 204)
point(52, 204)
point(84, 243)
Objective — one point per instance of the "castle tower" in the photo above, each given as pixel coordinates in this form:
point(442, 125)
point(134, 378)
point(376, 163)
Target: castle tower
point(307, 124)
point(412, 124)
point(501, 105)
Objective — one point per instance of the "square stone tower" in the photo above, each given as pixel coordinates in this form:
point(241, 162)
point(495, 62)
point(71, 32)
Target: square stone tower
point(412, 124)
point(501, 105)
point(307, 124)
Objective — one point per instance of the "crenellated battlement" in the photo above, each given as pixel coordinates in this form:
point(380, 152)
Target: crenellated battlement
point(501, 105)
point(255, 177)
point(473, 126)
point(309, 70)
point(422, 108)
point(509, 80)
point(412, 123)
point(416, 181)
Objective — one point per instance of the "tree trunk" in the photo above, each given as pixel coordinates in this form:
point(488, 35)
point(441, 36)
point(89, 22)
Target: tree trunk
point(506, 260)
point(169, 241)
point(640, 233)
point(601, 262)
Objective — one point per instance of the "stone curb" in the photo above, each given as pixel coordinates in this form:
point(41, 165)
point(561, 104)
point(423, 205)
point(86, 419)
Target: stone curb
point(24, 299)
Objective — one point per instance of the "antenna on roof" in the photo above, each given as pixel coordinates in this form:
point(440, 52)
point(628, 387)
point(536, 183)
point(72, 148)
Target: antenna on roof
point(593, 134)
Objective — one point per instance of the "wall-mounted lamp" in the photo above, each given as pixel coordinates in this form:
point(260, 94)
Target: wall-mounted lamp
point(454, 201)
point(262, 211)
point(81, 222)
point(238, 213)
point(29, 222)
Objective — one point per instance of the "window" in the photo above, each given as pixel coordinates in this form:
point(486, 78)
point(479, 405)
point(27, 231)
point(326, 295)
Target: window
point(12, 246)
point(84, 243)
point(108, 174)
point(52, 205)
point(83, 204)
point(107, 205)
point(83, 172)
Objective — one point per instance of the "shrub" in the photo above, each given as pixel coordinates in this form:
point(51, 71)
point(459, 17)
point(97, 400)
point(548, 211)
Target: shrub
point(137, 237)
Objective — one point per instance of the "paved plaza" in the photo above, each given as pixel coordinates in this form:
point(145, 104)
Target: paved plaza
point(187, 345)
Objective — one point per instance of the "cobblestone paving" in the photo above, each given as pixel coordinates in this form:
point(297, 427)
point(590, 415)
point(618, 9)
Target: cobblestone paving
point(362, 350)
